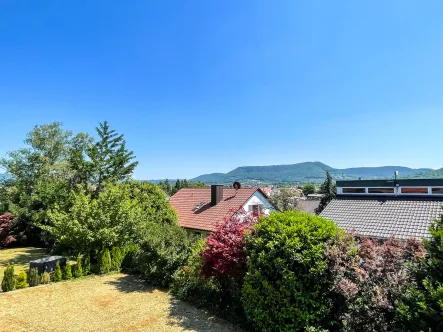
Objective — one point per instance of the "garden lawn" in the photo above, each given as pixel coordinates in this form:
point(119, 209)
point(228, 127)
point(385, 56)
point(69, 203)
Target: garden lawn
point(20, 257)
point(116, 302)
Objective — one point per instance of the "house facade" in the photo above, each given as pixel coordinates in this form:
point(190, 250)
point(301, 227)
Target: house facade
point(200, 210)
point(382, 208)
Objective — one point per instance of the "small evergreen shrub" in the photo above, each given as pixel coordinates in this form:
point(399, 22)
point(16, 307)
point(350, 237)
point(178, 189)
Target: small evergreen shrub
point(22, 280)
point(34, 278)
point(104, 261)
point(67, 273)
point(8, 282)
point(86, 264)
point(57, 275)
point(45, 278)
point(287, 286)
point(78, 270)
point(117, 258)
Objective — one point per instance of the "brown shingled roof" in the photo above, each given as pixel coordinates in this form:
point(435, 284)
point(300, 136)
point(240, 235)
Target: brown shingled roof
point(187, 203)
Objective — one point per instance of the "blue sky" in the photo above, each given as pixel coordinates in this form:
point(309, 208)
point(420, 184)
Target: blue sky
point(206, 86)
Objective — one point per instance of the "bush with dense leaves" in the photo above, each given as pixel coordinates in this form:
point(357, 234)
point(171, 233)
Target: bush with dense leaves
point(22, 280)
point(165, 248)
point(223, 255)
point(8, 282)
point(86, 264)
point(34, 278)
point(104, 261)
point(421, 307)
point(67, 272)
point(204, 292)
point(7, 238)
point(116, 258)
point(116, 217)
point(286, 287)
point(77, 271)
point(369, 278)
point(57, 275)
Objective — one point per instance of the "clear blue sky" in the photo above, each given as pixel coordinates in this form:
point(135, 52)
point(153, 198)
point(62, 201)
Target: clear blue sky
point(206, 86)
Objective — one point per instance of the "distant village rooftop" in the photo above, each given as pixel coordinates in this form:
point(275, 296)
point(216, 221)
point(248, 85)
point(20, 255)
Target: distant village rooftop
point(381, 208)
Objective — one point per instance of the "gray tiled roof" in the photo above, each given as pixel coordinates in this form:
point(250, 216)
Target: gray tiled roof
point(382, 217)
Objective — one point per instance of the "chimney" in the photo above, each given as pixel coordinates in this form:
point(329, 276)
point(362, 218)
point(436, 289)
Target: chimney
point(216, 194)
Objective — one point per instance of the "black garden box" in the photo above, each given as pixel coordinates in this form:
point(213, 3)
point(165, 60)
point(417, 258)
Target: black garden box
point(47, 264)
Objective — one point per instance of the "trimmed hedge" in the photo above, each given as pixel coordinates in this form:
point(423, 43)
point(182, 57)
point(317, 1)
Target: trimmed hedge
point(286, 287)
point(22, 280)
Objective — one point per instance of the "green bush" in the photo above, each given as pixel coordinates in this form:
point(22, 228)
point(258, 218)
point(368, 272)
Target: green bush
point(166, 247)
point(87, 264)
point(77, 270)
point(287, 287)
point(421, 308)
point(45, 278)
point(34, 278)
point(67, 273)
point(57, 275)
point(8, 282)
point(22, 280)
point(128, 263)
point(116, 259)
point(104, 261)
point(208, 293)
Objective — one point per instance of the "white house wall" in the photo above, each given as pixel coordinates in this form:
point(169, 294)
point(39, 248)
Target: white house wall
point(256, 199)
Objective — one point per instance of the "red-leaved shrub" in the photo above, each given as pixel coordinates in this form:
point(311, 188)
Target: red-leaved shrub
point(6, 225)
point(223, 255)
point(368, 277)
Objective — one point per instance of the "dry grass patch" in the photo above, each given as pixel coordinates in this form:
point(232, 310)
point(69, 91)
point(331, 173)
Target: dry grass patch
point(20, 257)
point(111, 303)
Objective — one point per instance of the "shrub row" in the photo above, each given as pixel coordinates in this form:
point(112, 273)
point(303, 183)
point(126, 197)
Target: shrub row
point(81, 268)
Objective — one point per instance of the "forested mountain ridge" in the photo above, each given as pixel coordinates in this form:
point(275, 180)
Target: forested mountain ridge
point(304, 173)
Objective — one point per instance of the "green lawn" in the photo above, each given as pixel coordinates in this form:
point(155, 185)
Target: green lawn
point(20, 257)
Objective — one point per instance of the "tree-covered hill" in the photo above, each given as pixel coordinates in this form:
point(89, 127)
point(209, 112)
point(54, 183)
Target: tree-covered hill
point(306, 172)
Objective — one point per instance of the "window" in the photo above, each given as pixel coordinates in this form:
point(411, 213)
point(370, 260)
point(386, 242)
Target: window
point(437, 191)
point(381, 190)
point(414, 190)
point(255, 207)
point(354, 190)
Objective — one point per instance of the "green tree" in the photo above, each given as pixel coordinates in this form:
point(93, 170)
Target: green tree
point(309, 189)
point(115, 218)
point(104, 261)
point(287, 285)
point(87, 264)
point(57, 275)
point(8, 282)
point(329, 190)
point(22, 280)
point(34, 278)
point(40, 176)
point(110, 161)
point(78, 270)
point(285, 199)
point(116, 258)
point(67, 275)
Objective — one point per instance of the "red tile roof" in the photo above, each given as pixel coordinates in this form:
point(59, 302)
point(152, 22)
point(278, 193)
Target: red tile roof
point(207, 217)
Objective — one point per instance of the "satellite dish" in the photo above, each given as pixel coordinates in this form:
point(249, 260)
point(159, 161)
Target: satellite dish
point(236, 185)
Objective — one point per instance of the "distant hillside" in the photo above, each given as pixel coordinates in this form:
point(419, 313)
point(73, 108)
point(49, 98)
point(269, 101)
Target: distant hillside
point(432, 174)
point(307, 172)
